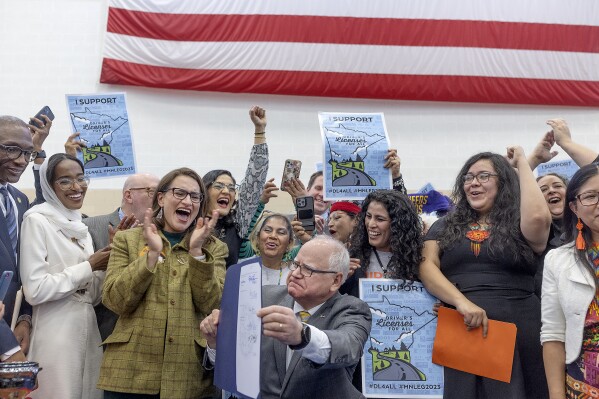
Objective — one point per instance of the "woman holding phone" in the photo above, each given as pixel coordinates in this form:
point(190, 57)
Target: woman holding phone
point(236, 208)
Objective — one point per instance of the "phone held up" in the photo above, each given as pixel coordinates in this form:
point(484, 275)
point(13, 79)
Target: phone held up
point(305, 212)
point(291, 170)
point(44, 111)
point(5, 283)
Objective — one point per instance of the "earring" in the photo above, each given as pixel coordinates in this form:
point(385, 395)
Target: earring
point(580, 244)
point(159, 214)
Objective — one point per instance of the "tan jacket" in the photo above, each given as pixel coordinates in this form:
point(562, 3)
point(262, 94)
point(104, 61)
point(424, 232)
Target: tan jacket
point(156, 345)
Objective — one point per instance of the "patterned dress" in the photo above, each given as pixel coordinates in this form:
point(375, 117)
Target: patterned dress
point(582, 376)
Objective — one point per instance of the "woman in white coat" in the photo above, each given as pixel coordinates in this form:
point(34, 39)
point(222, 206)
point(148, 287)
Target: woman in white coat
point(62, 279)
point(570, 301)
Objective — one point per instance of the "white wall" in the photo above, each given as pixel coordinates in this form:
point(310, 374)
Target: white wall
point(52, 47)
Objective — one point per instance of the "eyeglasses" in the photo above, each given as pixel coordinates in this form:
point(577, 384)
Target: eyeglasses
point(181, 194)
point(66, 184)
point(481, 177)
point(307, 271)
point(13, 152)
point(219, 186)
point(149, 190)
point(588, 199)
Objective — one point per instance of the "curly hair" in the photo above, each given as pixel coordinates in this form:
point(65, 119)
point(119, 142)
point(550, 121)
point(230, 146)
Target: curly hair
point(581, 176)
point(208, 179)
point(504, 217)
point(405, 238)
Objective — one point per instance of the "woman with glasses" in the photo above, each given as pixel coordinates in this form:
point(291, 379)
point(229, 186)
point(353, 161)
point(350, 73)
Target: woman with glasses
point(235, 215)
point(62, 279)
point(570, 302)
point(162, 279)
point(480, 259)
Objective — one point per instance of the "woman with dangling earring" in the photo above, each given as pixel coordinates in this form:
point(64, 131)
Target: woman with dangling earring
point(570, 302)
point(481, 260)
point(162, 279)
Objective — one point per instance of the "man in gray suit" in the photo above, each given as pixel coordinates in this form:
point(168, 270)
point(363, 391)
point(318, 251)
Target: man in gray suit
point(138, 192)
point(314, 358)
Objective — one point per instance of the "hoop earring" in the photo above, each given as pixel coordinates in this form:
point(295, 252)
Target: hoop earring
point(580, 244)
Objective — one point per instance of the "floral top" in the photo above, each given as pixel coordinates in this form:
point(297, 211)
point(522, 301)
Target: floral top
point(582, 376)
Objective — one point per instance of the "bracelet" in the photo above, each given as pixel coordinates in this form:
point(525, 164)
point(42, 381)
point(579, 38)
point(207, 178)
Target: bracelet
point(25, 317)
point(200, 257)
point(260, 134)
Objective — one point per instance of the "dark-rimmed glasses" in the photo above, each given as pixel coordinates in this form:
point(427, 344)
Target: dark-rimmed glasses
point(588, 199)
point(219, 186)
point(13, 152)
point(149, 190)
point(481, 177)
point(66, 183)
point(307, 271)
point(181, 194)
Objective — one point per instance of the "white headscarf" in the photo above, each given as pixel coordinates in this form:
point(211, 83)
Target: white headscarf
point(67, 220)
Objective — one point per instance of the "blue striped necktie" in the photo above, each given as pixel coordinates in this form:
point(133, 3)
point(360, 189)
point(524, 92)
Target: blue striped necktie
point(11, 219)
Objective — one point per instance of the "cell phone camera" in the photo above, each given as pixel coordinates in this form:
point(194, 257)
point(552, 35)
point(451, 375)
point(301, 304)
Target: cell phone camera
point(301, 202)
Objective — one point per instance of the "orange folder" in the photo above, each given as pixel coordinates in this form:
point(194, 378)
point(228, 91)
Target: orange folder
point(468, 351)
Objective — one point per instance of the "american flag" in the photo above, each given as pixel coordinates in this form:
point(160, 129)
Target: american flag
point(508, 51)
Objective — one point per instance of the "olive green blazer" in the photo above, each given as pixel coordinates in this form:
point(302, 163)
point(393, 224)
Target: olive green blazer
point(156, 346)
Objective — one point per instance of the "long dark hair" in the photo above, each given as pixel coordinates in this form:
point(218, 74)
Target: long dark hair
point(208, 179)
point(504, 217)
point(570, 219)
point(165, 184)
point(405, 239)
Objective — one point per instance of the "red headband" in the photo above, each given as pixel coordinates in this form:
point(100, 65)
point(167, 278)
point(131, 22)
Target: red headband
point(346, 207)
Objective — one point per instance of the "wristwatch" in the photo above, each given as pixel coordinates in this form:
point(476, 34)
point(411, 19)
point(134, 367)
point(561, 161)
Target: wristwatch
point(41, 154)
point(305, 335)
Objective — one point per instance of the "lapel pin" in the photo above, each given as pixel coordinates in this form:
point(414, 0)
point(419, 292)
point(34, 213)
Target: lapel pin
point(19, 200)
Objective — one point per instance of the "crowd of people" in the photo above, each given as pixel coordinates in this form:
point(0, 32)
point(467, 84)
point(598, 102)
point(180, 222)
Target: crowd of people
point(126, 305)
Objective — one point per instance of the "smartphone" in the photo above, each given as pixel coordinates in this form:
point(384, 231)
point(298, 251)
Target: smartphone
point(44, 111)
point(304, 207)
point(291, 170)
point(5, 280)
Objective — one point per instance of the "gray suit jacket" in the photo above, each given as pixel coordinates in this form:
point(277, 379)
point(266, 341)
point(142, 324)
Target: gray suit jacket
point(98, 229)
point(346, 320)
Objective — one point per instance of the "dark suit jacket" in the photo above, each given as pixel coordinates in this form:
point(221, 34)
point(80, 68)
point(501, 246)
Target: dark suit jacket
point(98, 229)
point(346, 321)
point(9, 262)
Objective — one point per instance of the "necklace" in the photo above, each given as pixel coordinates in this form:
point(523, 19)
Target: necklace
point(267, 273)
point(477, 234)
point(378, 258)
point(593, 255)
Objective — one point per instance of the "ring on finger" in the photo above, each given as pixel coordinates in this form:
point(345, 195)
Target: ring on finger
point(280, 326)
